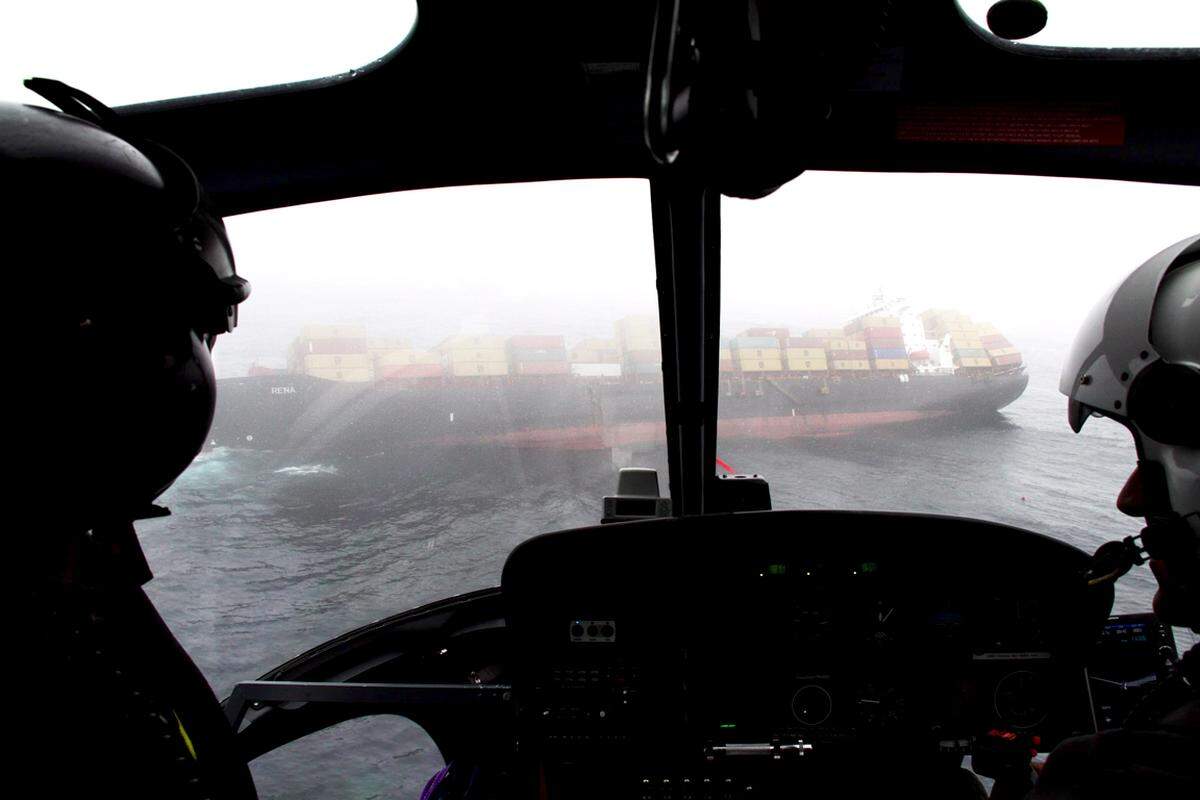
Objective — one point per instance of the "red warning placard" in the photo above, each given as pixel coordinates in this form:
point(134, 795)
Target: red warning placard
point(1075, 125)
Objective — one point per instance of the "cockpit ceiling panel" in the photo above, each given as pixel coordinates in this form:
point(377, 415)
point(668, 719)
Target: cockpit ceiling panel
point(483, 93)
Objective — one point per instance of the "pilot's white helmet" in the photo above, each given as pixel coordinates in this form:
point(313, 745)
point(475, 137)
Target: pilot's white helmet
point(1137, 360)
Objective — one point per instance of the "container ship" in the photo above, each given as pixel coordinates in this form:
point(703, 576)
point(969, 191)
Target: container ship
point(344, 393)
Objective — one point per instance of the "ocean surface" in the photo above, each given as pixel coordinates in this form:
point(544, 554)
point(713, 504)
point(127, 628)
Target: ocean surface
point(264, 558)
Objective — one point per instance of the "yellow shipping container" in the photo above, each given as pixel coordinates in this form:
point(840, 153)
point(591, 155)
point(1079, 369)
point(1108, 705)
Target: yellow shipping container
point(1003, 351)
point(462, 369)
point(636, 327)
point(349, 361)
point(726, 354)
point(641, 343)
point(967, 342)
point(349, 375)
point(804, 353)
point(401, 358)
point(471, 343)
point(974, 362)
point(460, 355)
point(891, 363)
point(855, 364)
point(761, 365)
point(759, 352)
point(807, 364)
point(333, 332)
point(388, 344)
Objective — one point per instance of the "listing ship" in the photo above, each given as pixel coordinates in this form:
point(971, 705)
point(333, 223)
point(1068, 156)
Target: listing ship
point(345, 393)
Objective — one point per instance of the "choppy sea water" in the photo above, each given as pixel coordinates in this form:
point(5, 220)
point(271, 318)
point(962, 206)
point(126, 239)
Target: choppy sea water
point(264, 558)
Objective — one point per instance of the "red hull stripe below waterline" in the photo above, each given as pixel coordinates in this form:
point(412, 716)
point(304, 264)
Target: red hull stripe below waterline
point(596, 437)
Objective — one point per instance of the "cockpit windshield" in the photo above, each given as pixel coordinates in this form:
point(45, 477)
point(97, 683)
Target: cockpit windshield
point(166, 53)
point(424, 380)
point(895, 342)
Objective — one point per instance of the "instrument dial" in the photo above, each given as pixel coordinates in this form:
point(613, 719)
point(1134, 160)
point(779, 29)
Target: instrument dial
point(812, 704)
point(1020, 699)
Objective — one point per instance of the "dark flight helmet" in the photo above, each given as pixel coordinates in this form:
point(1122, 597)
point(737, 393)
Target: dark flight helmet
point(124, 279)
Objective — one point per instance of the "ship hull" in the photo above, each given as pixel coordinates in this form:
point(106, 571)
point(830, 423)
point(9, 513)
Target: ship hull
point(326, 418)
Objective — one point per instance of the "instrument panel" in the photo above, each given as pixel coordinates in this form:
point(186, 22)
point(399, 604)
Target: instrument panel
point(713, 651)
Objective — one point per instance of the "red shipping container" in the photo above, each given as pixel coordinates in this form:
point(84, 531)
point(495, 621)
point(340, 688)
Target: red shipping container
point(727, 365)
point(411, 371)
point(542, 368)
point(883, 333)
point(335, 347)
point(537, 342)
point(774, 333)
point(885, 344)
point(919, 355)
point(806, 341)
point(1007, 361)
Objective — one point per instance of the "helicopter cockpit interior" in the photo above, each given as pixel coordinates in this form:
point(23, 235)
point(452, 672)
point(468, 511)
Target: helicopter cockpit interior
point(706, 647)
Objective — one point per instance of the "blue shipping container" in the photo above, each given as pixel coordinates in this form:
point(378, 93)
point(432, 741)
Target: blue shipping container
point(754, 342)
point(887, 352)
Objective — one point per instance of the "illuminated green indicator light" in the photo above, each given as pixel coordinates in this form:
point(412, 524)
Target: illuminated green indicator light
point(725, 726)
point(870, 566)
point(777, 569)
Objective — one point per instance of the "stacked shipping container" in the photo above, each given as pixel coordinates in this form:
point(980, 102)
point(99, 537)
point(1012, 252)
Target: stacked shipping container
point(596, 358)
point(640, 345)
point(884, 341)
point(999, 349)
point(757, 350)
point(873, 343)
point(332, 352)
point(806, 354)
point(395, 359)
point(725, 361)
point(842, 353)
point(474, 356)
point(538, 355)
point(963, 335)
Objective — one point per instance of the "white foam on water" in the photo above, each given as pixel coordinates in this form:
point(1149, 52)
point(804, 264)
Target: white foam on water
point(308, 469)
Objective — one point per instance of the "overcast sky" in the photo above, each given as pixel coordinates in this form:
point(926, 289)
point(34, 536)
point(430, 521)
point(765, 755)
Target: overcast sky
point(1029, 254)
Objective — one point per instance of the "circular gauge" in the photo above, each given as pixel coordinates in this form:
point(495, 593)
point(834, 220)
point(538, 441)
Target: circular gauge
point(1020, 699)
point(812, 704)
